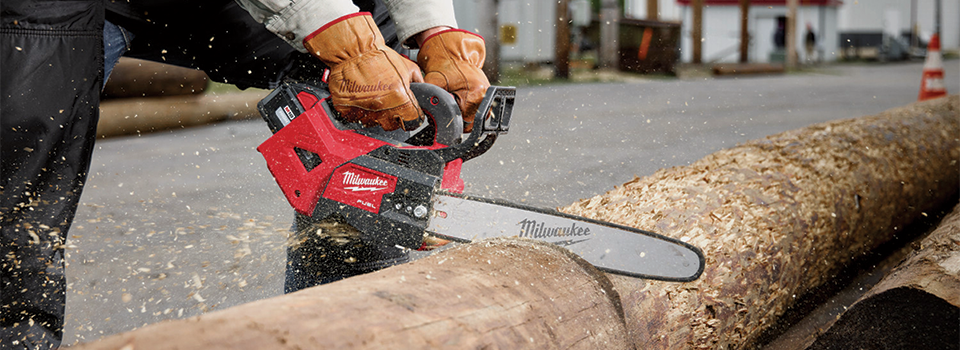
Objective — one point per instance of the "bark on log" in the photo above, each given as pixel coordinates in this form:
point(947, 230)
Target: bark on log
point(774, 217)
point(133, 77)
point(916, 306)
point(143, 115)
point(490, 295)
point(779, 216)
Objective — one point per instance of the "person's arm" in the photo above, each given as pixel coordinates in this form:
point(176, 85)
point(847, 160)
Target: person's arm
point(295, 20)
point(413, 17)
point(369, 82)
point(450, 58)
point(422, 36)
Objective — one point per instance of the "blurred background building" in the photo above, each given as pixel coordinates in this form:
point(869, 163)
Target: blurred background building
point(823, 30)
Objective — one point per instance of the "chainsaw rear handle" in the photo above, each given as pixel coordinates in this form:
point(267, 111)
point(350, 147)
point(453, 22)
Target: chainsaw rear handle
point(444, 126)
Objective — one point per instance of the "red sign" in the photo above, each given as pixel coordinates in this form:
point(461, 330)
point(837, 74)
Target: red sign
point(763, 2)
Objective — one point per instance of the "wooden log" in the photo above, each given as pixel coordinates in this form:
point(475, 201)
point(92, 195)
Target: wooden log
point(916, 306)
point(778, 217)
point(774, 217)
point(133, 77)
point(142, 115)
point(493, 295)
point(747, 68)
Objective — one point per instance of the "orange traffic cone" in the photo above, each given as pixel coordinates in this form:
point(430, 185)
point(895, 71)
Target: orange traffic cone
point(932, 85)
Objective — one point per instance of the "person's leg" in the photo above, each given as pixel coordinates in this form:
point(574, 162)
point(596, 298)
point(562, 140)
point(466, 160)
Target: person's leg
point(51, 78)
point(116, 41)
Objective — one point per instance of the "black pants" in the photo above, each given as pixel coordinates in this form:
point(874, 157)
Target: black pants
point(50, 78)
point(52, 62)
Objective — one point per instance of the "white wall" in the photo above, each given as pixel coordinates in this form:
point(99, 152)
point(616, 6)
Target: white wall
point(535, 25)
point(721, 31)
point(949, 22)
point(869, 16)
point(721, 35)
point(534, 20)
point(668, 10)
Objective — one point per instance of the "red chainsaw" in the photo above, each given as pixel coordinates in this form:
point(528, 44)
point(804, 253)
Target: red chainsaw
point(396, 187)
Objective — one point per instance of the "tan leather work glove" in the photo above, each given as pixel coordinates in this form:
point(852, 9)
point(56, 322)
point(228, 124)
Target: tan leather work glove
point(369, 82)
point(452, 59)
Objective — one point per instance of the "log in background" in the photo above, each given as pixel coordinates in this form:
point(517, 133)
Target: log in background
point(145, 96)
point(775, 218)
point(916, 306)
point(778, 217)
point(134, 116)
point(133, 77)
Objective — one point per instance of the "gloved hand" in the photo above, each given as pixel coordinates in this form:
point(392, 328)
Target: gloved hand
point(369, 82)
point(452, 59)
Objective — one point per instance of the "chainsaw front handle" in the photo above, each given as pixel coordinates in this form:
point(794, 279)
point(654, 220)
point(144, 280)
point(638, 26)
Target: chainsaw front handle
point(495, 111)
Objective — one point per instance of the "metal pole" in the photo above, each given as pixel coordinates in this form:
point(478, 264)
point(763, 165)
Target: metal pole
point(562, 49)
point(936, 21)
point(744, 32)
point(490, 29)
point(822, 33)
point(697, 31)
point(913, 26)
point(791, 33)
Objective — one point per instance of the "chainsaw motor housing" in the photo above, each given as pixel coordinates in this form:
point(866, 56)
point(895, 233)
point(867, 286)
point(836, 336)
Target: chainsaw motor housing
point(379, 182)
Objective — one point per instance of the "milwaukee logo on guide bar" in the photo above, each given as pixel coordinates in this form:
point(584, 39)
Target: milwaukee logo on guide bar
point(534, 229)
point(352, 86)
point(361, 183)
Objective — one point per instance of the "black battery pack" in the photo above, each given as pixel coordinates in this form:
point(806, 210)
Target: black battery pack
point(283, 104)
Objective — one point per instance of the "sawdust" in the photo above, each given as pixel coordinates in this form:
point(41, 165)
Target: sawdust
point(336, 232)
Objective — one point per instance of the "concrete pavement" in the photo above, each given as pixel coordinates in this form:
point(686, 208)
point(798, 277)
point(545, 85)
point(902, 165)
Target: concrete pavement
point(180, 222)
